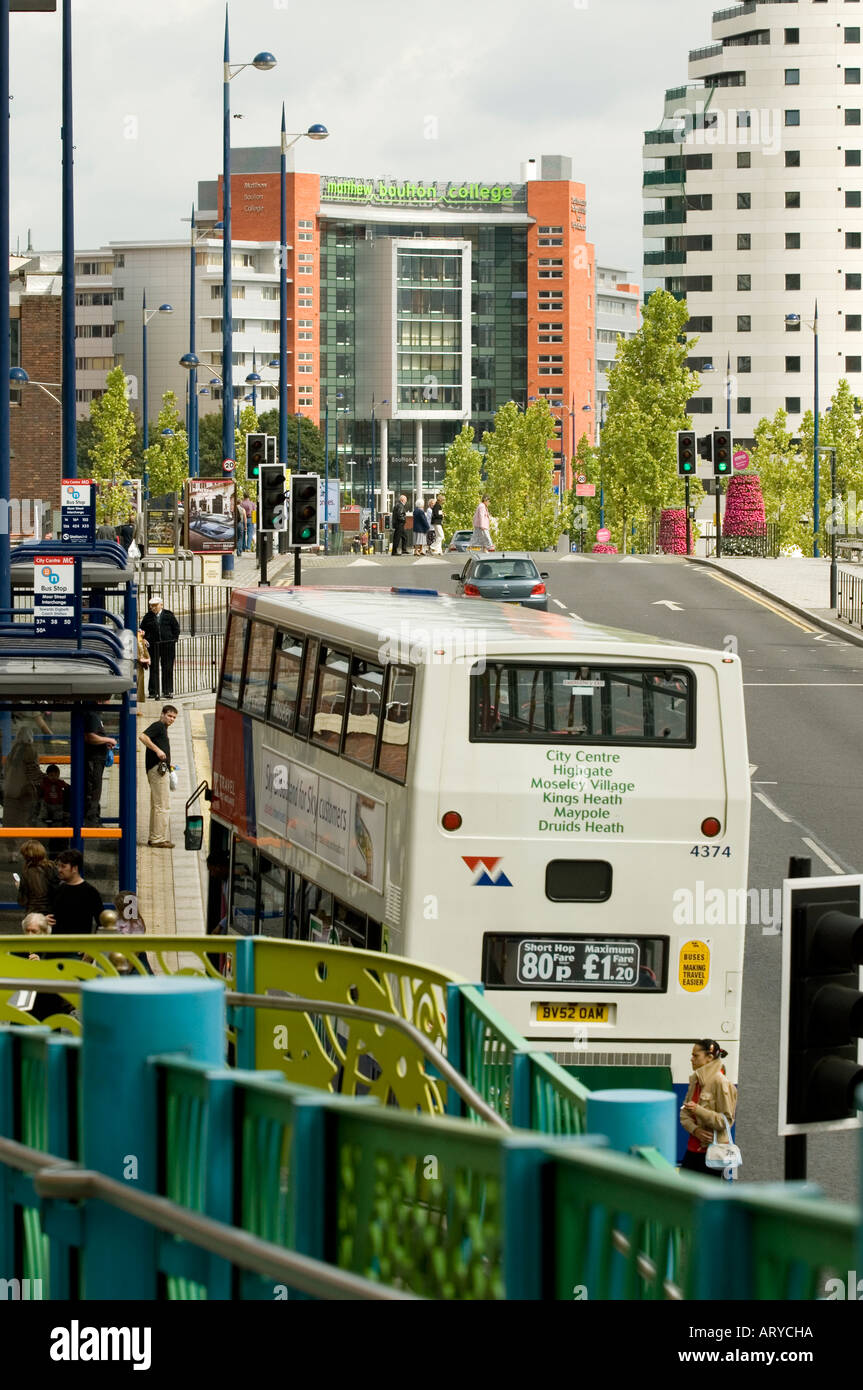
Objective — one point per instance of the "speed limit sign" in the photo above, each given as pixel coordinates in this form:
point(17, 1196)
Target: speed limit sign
point(228, 465)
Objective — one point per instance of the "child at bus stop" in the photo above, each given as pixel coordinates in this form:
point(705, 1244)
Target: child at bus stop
point(55, 796)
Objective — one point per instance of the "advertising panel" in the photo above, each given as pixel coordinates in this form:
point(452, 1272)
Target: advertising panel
point(161, 530)
point(210, 515)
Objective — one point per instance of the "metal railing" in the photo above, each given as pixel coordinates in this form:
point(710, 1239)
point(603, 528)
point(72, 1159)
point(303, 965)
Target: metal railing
point(850, 597)
point(197, 661)
point(712, 50)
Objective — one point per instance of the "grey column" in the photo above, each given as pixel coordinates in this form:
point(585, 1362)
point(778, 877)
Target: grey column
point(384, 463)
point(418, 481)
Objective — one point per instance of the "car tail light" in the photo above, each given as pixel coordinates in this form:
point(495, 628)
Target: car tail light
point(710, 827)
point(471, 591)
point(538, 589)
point(451, 820)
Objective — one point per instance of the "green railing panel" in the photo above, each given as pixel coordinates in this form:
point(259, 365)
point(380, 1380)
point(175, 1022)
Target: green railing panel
point(598, 1195)
point(798, 1244)
point(418, 1206)
point(33, 1095)
point(185, 1114)
point(558, 1103)
point(489, 1046)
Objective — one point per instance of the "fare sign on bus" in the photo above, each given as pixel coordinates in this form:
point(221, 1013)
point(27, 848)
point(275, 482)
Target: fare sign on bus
point(611, 964)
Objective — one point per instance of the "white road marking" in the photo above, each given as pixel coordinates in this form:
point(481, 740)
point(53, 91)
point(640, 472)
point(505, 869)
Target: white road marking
point(577, 617)
point(667, 603)
point(354, 563)
point(759, 783)
point(825, 858)
point(753, 767)
point(771, 806)
point(558, 602)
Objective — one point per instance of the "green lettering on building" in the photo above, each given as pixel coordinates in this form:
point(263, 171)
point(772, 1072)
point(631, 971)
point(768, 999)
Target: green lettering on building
point(406, 193)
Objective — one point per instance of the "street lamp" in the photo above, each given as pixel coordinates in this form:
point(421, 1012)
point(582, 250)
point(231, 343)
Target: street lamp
point(834, 573)
point(816, 480)
point(340, 395)
point(146, 316)
point(371, 500)
point(254, 380)
point(264, 62)
point(18, 377)
point(194, 242)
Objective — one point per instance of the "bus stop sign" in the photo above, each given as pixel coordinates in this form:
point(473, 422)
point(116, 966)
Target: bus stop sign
point(54, 596)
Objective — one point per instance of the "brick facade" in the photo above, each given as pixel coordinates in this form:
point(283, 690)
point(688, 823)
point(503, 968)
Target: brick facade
point(36, 428)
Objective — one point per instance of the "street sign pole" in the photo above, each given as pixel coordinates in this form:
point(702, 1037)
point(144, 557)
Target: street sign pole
point(795, 1144)
point(688, 520)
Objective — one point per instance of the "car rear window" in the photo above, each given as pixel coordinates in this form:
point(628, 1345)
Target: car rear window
point(514, 703)
point(505, 569)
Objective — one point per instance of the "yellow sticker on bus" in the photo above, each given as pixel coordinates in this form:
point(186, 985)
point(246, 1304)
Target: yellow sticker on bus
point(694, 966)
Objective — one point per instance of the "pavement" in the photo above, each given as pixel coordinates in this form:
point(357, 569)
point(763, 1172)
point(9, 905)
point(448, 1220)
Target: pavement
point(801, 584)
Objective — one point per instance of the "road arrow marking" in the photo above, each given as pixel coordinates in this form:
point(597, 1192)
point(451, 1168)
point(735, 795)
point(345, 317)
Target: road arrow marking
point(668, 603)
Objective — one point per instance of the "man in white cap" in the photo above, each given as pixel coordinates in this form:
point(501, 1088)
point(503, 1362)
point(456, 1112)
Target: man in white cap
point(161, 630)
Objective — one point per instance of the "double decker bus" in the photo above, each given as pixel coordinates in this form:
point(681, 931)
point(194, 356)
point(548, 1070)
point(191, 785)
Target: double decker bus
point(530, 801)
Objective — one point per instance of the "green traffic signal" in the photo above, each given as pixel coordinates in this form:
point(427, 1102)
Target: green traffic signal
point(721, 452)
point(685, 453)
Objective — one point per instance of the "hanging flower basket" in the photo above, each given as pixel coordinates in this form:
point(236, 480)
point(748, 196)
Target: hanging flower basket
point(672, 531)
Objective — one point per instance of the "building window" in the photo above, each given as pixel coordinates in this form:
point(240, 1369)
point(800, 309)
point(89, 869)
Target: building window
point(792, 327)
point(744, 405)
point(792, 405)
point(744, 364)
point(744, 241)
point(852, 241)
point(792, 118)
point(304, 222)
point(744, 159)
point(792, 200)
point(306, 256)
point(792, 364)
point(792, 159)
point(744, 282)
point(792, 35)
point(852, 282)
point(853, 323)
point(700, 325)
point(792, 282)
point(306, 236)
point(744, 323)
point(852, 364)
point(853, 198)
point(852, 159)
point(792, 77)
point(550, 241)
point(551, 260)
point(852, 115)
point(549, 338)
point(792, 241)
point(700, 405)
point(550, 275)
point(852, 77)
point(744, 200)
point(852, 34)
point(551, 230)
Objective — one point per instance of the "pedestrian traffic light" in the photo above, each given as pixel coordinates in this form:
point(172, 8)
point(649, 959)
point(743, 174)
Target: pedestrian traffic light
point(822, 1005)
point(686, 453)
point(305, 509)
point(272, 513)
point(256, 455)
point(721, 452)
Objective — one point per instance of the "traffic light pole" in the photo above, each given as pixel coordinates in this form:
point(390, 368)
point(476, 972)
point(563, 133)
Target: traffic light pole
point(795, 1144)
point(718, 518)
point(688, 522)
point(298, 573)
point(264, 548)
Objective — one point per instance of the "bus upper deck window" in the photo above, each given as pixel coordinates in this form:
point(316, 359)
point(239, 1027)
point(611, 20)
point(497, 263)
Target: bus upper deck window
point(232, 670)
point(364, 708)
point(329, 714)
point(286, 680)
point(396, 727)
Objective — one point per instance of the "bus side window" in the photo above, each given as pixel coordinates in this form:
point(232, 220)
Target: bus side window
point(395, 732)
point(286, 680)
point(309, 671)
point(364, 708)
point(256, 679)
point(232, 670)
point(330, 699)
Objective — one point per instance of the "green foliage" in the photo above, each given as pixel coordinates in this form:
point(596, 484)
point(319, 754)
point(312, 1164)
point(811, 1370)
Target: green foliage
point(311, 439)
point(581, 514)
point(109, 453)
point(462, 484)
point(167, 458)
point(649, 386)
point(786, 481)
point(520, 469)
point(249, 424)
point(210, 445)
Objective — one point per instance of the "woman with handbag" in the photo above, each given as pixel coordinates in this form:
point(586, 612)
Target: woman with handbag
point(708, 1111)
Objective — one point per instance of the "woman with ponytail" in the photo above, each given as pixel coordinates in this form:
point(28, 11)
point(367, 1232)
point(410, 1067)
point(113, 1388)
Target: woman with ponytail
point(711, 1099)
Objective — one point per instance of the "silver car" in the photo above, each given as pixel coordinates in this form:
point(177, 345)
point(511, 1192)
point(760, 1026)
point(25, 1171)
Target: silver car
point(460, 540)
point(509, 576)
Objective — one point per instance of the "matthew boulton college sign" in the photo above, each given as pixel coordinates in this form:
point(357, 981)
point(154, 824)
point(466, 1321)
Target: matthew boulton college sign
point(403, 193)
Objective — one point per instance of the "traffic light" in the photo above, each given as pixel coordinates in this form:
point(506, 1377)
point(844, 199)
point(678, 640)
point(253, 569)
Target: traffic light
point(305, 509)
point(271, 448)
point(721, 452)
point(272, 514)
point(686, 453)
point(822, 1005)
point(256, 455)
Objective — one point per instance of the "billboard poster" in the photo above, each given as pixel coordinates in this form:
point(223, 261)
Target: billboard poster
point(211, 526)
point(161, 529)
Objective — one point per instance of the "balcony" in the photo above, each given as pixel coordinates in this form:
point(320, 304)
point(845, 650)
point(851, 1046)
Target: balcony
point(665, 258)
point(663, 137)
point(663, 218)
point(659, 183)
point(713, 50)
point(734, 11)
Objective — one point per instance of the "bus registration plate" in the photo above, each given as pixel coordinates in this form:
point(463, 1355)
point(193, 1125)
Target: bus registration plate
point(607, 964)
point(572, 1013)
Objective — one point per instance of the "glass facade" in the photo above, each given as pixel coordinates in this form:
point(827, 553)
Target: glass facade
point(429, 337)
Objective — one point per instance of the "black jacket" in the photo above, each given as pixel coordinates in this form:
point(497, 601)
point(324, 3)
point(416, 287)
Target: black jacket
point(163, 628)
point(437, 514)
point(399, 514)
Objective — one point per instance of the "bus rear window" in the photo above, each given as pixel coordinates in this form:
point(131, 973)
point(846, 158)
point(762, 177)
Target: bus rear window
point(232, 670)
point(514, 703)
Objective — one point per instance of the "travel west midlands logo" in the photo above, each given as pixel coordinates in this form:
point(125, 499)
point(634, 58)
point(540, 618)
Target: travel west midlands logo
point(485, 872)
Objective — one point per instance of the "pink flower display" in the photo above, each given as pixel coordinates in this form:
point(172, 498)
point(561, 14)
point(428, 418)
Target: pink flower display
point(672, 531)
point(604, 549)
point(744, 526)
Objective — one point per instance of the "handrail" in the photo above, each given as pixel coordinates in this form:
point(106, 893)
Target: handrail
point(57, 1178)
point(446, 1069)
point(51, 653)
point(93, 632)
point(98, 550)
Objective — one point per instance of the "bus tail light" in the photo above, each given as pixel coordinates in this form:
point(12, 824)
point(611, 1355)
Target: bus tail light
point(710, 827)
point(537, 589)
point(471, 591)
point(451, 820)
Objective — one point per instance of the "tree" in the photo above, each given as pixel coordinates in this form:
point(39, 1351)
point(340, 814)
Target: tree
point(210, 445)
point(462, 484)
point(648, 388)
point(581, 514)
point(520, 473)
point(311, 440)
point(113, 434)
point(785, 481)
point(167, 458)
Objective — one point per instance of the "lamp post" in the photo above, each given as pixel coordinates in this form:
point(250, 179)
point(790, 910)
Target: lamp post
point(340, 395)
point(254, 379)
point(816, 478)
point(194, 242)
point(834, 572)
point(371, 500)
point(263, 62)
point(146, 316)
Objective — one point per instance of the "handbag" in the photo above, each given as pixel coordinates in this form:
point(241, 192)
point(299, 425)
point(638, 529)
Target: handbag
point(723, 1156)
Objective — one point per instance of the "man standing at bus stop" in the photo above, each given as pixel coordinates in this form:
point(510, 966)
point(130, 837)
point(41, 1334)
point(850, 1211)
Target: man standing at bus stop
point(161, 630)
point(157, 762)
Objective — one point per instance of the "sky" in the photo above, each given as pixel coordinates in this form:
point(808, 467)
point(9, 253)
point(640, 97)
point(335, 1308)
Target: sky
point(462, 89)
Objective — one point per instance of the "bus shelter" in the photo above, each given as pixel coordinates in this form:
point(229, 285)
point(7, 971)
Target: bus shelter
point(53, 692)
